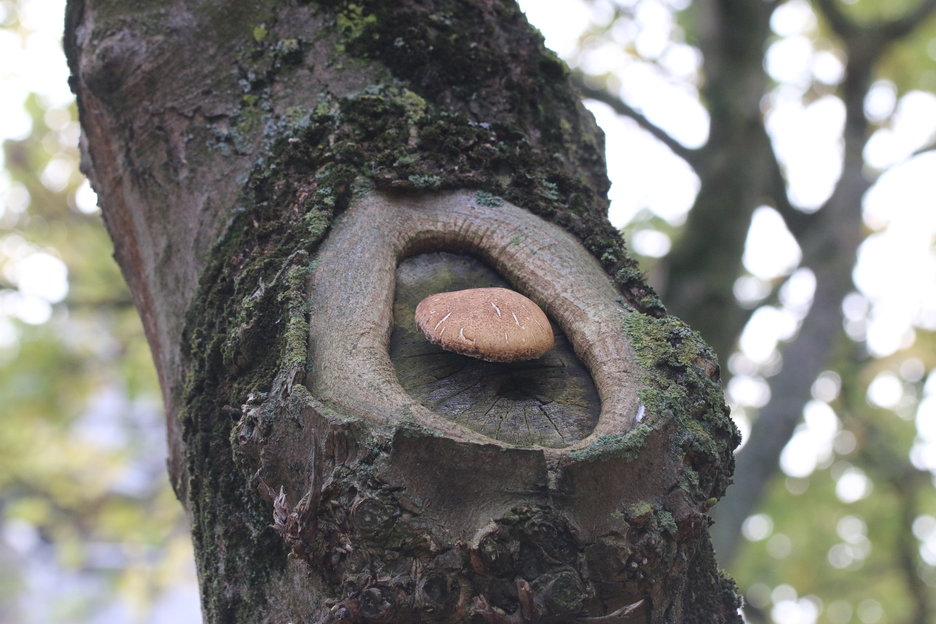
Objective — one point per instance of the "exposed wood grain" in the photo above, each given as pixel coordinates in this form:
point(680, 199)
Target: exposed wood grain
point(352, 292)
point(550, 401)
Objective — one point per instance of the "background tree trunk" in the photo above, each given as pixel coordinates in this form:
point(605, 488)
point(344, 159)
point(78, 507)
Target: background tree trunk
point(739, 172)
point(264, 170)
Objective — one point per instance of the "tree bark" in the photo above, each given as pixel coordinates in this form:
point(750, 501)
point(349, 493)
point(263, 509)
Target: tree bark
point(269, 173)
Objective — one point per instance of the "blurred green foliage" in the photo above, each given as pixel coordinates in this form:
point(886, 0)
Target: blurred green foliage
point(89, 527)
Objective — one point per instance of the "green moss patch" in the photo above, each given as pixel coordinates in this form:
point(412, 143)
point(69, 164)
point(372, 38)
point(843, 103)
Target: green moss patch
point(677, 385)
point(626, 446)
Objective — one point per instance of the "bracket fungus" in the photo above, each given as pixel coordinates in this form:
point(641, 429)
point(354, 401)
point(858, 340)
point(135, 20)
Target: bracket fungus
point(491, 324)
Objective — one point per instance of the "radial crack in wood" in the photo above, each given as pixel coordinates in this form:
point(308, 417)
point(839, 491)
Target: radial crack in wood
point(550, 401)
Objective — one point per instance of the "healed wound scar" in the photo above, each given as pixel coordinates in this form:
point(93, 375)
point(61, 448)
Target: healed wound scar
point(354, 371)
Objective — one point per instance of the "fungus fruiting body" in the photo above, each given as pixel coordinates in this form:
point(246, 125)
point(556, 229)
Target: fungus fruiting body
point(491, 324)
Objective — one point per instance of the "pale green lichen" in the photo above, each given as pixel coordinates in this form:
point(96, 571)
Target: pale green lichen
point(666, 522)
point(422, 181)
point(676, 385)
point(488, 200)
point(626, 446)
point(638, 510)
point(296, 308)
point(413, 104)
point(550, 190)
point(352, 21)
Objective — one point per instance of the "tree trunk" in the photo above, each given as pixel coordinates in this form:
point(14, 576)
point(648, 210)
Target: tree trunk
point(282, 182)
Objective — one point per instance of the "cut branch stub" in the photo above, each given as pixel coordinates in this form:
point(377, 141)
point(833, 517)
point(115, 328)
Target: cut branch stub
point(351, 367)
point(426, 489)
point(549, 402)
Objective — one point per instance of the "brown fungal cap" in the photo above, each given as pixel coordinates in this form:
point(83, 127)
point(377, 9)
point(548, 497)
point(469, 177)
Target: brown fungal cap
point(492, 324)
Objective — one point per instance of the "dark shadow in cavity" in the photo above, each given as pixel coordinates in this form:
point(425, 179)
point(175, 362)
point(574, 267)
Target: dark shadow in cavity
point(550, 401)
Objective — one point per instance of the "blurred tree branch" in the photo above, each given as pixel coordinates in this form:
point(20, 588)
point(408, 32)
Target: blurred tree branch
point(829, 250)
point(736, 167)
point(884, 32)
point(622, 108)
point(738, 171)
point(907, 546)
point(923, 150)
point(796, 220)
point(885, 457)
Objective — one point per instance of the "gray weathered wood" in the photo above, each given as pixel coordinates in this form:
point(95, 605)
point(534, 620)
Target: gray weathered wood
point(550, 401)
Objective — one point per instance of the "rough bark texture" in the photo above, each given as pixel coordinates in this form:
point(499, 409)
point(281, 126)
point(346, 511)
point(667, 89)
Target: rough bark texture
point(264, 168)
